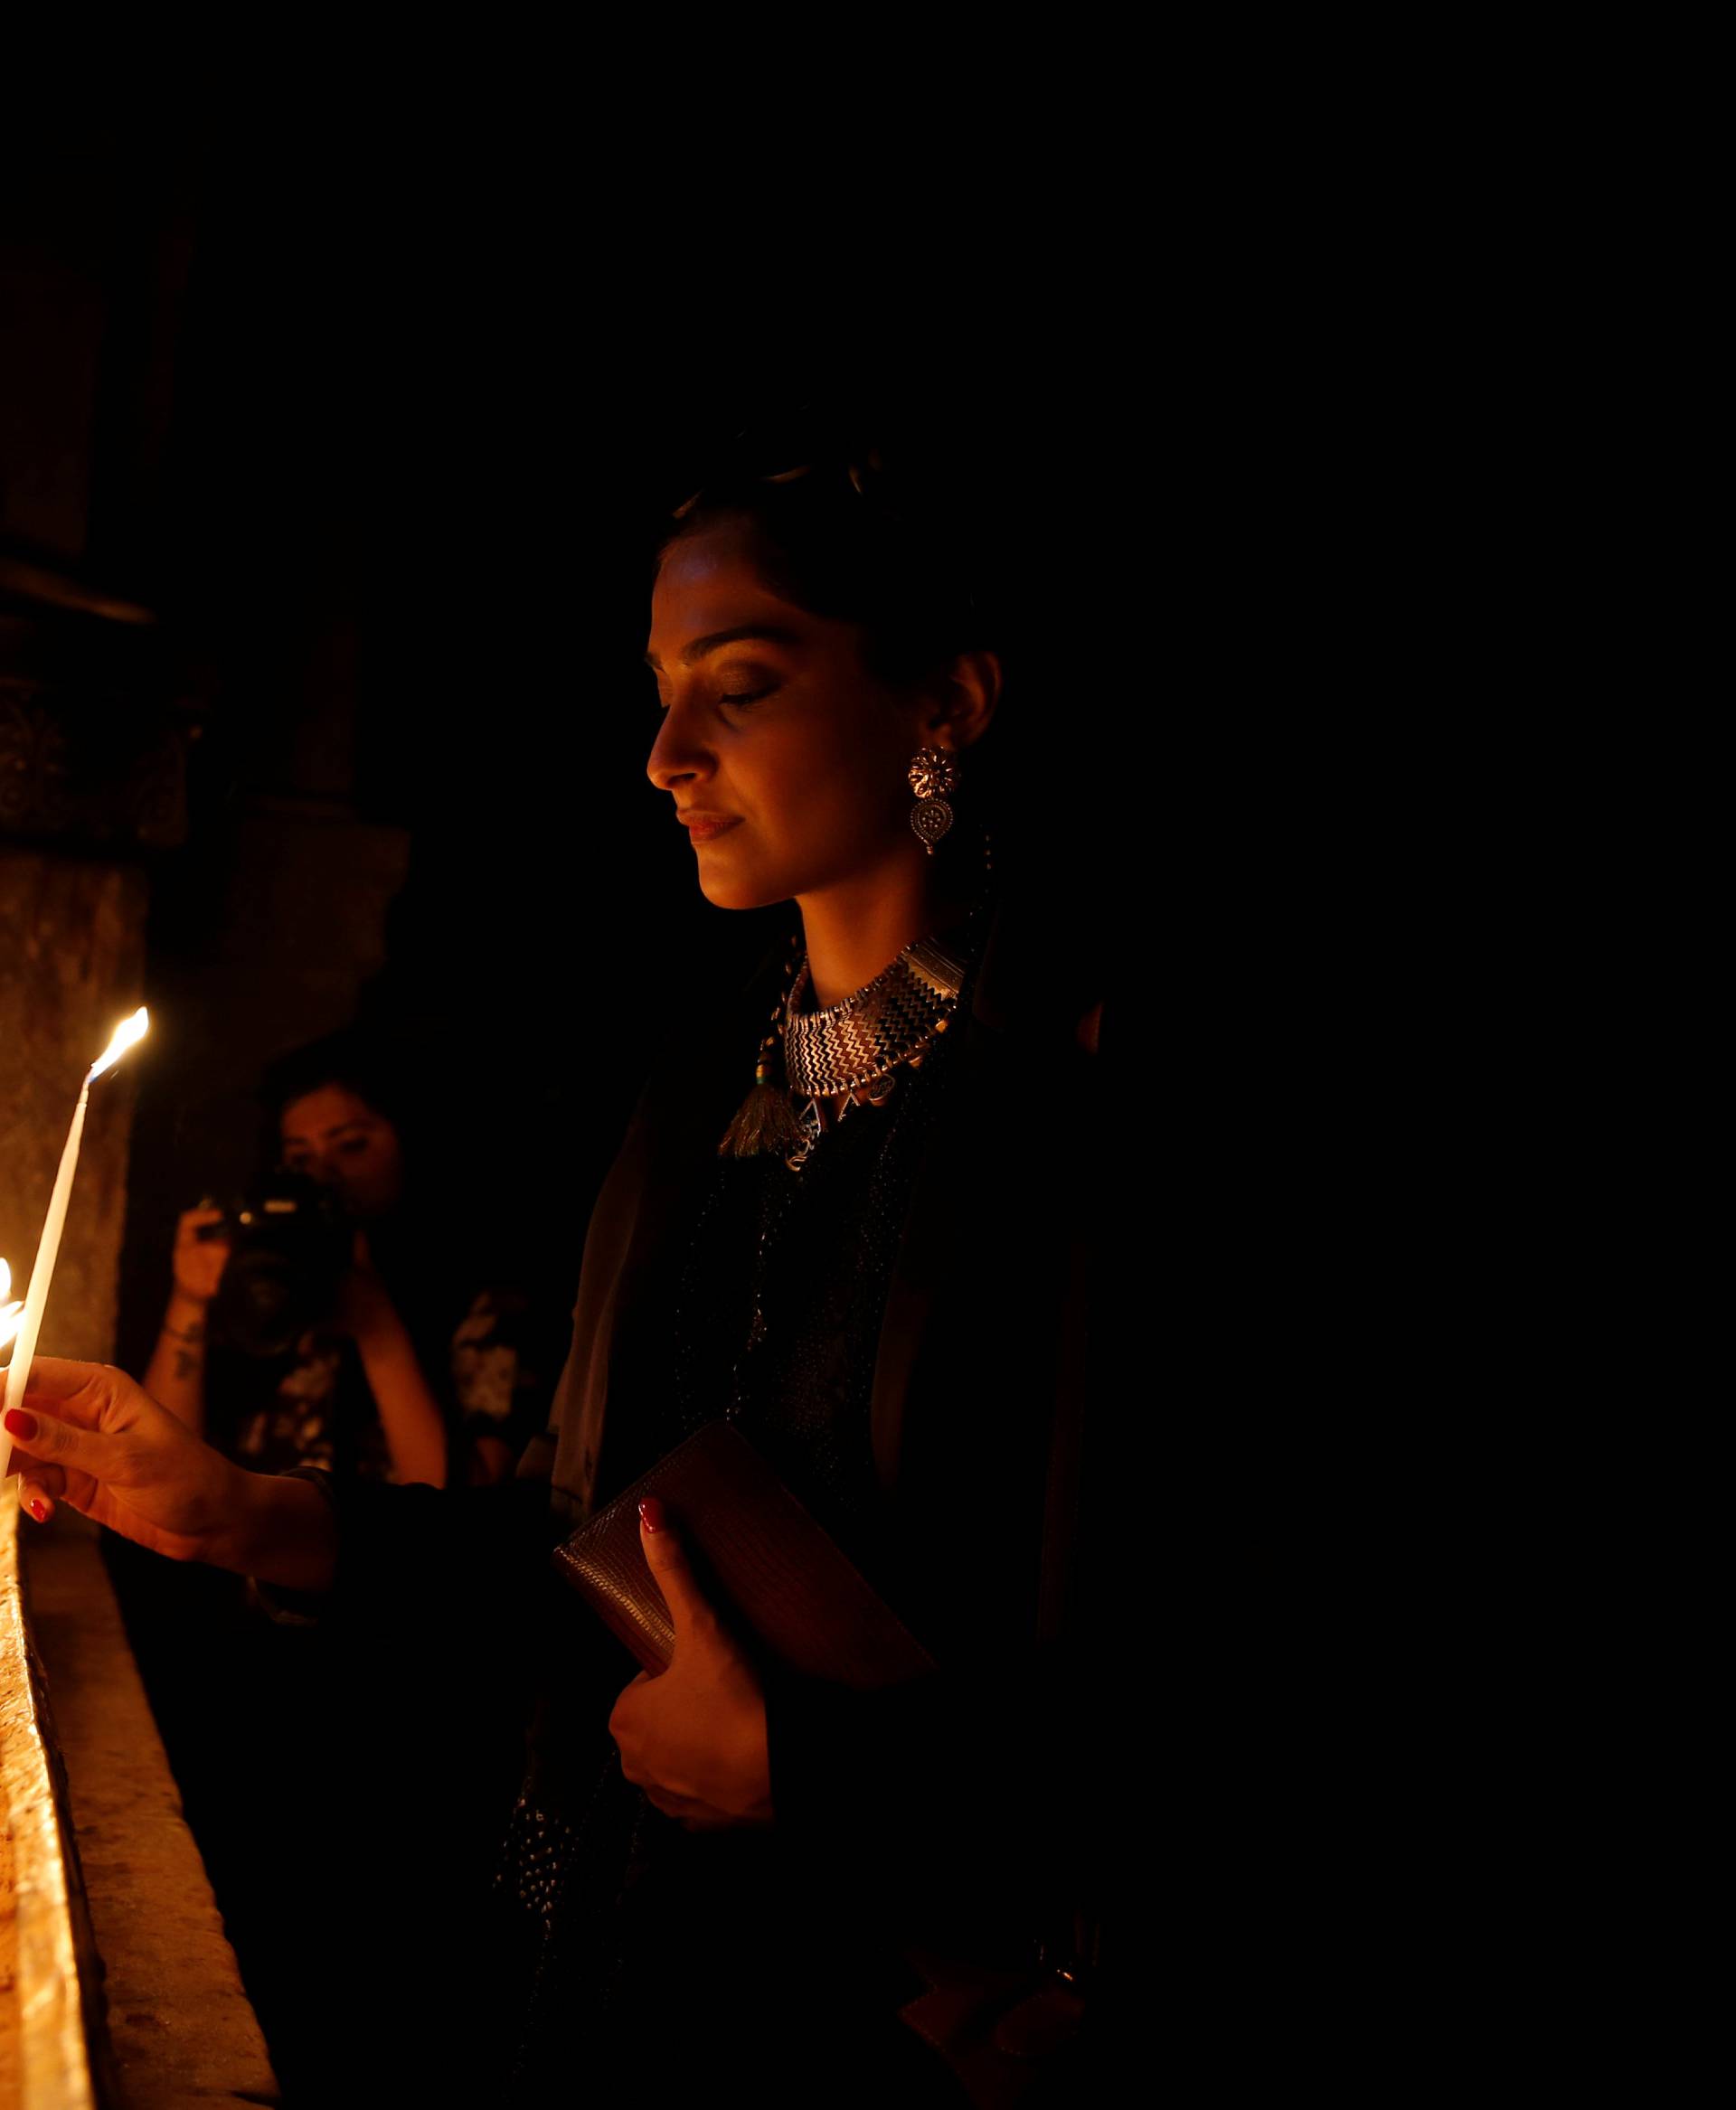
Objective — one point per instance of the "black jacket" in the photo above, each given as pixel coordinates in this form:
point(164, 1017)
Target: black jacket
point(953, 1801)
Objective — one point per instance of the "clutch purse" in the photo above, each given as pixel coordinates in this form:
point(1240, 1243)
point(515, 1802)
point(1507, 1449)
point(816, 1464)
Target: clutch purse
point(757, 1553)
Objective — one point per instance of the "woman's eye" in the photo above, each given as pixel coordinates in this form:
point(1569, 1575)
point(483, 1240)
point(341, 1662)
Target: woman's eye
point(744, 695)
point(353, 1146)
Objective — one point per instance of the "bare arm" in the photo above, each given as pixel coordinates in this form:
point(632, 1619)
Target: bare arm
point(176, 1375)
point(408, 1412)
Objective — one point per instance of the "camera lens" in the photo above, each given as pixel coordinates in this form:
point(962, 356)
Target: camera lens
point(288, 1248)
point(265, 1308)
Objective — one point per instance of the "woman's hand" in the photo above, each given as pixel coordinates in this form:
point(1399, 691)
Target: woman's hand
point(364, 1307)
point(87, 1435)
point(198, 1263)
point(694, 1738)
point(97, 1440)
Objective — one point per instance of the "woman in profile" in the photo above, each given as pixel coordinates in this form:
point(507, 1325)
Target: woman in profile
point(850, 1217)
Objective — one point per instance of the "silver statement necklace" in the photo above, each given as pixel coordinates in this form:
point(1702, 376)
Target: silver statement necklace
point(853, 1051)
point(856, 1046)
point(850, 1052)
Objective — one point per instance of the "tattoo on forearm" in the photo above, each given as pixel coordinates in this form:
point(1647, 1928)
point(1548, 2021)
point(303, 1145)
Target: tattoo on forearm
point(186, 1365)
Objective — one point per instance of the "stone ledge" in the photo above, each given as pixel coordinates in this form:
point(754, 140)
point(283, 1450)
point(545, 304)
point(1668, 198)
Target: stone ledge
point(180, 2030)
point(51, 2038)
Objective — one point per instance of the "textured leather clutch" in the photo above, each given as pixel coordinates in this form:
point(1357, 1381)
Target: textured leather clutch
point(757, 1553)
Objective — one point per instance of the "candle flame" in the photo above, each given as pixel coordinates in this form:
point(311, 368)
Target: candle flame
point(126, 1036)
point(10, 1315)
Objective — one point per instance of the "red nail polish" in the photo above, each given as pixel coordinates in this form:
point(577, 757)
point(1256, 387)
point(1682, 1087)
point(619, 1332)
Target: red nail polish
point(21, 1424)
point(651, 1513)
point(39, 1510)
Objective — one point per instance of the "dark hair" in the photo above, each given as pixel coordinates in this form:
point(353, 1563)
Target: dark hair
point(357, 1061)
point(840, 538)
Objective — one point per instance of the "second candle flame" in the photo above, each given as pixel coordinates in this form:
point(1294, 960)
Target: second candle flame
point(10, 1313)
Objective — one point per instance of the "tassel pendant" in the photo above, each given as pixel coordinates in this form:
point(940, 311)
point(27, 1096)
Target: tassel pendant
point(764, 1121)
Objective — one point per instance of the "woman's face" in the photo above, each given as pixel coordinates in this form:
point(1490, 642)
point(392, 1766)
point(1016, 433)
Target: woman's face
point(338, 1139)
point(785, 758)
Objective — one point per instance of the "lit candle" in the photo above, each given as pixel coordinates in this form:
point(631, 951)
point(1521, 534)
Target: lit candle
point(10, 1315)
point(29, 1323)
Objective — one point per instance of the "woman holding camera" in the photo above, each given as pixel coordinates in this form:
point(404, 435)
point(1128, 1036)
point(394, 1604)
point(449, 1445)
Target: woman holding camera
point(352, 1392)
point(877, 1267)
point(364, 1348)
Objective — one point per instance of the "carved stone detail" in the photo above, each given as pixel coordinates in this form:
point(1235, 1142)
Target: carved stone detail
point(32, 765)
point(100, 772)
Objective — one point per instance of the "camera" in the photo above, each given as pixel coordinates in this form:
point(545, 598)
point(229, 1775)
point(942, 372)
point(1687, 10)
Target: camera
point(290, 1245)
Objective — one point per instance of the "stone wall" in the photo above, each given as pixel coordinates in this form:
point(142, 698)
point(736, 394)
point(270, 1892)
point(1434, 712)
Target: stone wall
point(72, 967)
point(296, 927)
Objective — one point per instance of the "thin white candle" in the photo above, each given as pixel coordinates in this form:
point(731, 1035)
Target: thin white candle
point(30, 1323)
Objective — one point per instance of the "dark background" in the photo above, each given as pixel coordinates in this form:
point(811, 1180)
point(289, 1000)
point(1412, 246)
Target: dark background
point(379, 435)
point(381, 430)
point(383, 443)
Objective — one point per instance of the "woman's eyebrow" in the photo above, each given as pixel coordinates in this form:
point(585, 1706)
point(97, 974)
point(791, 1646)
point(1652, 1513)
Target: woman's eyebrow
point(328, 1134)
point(690, 655)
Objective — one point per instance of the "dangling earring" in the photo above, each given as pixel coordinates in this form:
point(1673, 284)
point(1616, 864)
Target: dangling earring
point(932, 775)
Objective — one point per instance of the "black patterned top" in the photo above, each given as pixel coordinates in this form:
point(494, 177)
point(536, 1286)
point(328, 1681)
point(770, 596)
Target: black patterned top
point(492, 1374)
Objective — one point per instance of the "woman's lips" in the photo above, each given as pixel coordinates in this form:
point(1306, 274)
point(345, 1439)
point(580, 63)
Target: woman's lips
point(702, 827)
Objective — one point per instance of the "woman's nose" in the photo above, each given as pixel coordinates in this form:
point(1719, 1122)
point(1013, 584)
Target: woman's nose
point(679, 754)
